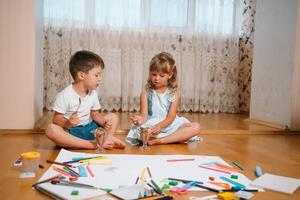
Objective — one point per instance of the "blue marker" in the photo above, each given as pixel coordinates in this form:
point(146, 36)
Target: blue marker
point(82, 171)
point(258, 171)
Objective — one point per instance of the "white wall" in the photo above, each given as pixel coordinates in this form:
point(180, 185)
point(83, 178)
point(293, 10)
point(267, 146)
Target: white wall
point(21, 66)
point(273, 61)
point(295, 123)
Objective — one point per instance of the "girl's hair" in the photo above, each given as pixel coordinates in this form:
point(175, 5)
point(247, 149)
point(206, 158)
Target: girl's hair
point(163, 62)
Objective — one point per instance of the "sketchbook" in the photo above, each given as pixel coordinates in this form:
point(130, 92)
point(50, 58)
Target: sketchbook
point(124, 169)
point(277, 183)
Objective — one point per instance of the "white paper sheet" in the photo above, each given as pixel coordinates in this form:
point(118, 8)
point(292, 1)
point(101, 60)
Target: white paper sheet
point(125, 168)
point(277, 183)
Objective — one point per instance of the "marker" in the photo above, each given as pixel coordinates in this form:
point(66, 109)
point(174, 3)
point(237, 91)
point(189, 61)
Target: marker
point(90, 171)
point(232, 182)
point(238, 165)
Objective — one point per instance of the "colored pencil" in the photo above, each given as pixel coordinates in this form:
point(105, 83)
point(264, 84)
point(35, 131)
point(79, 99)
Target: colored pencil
point(207, 188)
point(184, 181)
point(156, 186)
point(228, 167)
point(62, 171)
point(143, 176)
point(157, 191)
point(178, 160)
point(77, 160)
point(81, 185)
point(59, 163)
point(204, 167)
point(238, 165)
point(46, 180)
point(71, 171)
point(150, 175)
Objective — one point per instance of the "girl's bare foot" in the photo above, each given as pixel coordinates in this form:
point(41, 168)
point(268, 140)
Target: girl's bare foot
point(154, 141)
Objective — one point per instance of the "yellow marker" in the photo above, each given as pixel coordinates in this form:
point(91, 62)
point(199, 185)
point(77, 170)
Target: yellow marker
point(226, 196)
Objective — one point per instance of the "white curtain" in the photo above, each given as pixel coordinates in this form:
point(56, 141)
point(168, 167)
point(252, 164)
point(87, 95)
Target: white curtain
point(202, 35)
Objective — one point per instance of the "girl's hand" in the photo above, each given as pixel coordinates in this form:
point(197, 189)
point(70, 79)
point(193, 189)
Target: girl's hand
point(156, 129)
point(137, 120)
point(107, 124)
point(74, 119)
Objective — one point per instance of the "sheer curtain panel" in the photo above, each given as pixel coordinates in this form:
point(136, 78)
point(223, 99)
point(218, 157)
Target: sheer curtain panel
point(202, 35)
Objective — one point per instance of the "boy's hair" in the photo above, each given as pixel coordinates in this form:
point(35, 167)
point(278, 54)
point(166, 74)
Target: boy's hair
point(84, 61)
point(164, 62)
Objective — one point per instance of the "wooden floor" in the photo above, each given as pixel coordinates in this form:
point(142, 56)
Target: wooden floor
point(210, 123)
point(227, 136)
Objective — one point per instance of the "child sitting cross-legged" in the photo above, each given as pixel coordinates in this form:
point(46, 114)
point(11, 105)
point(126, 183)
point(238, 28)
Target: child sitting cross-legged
point(76, 108)
point(159, 101)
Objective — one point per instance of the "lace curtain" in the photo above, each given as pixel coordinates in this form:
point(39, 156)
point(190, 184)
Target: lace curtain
point(206, 51)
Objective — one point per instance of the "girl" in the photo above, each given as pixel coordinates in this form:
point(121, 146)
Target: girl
point(159, 102)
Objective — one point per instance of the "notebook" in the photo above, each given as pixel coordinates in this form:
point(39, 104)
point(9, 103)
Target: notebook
point(277, 183)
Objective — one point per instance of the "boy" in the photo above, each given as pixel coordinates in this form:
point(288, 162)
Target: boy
point(77, 107)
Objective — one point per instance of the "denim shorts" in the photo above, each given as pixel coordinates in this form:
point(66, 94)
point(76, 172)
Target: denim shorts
point(84, 131)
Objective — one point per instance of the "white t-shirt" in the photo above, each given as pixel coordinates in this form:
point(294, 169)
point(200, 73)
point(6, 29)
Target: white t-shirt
point(67, 102)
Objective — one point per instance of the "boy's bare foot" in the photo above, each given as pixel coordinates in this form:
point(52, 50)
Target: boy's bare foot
point(117, 143)
point(108, 145)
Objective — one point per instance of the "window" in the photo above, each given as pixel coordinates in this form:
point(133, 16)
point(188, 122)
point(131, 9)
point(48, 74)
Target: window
point(216, 16)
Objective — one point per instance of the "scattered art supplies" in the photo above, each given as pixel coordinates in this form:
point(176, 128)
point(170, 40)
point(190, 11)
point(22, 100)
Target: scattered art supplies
point(120, 174)
point(277, 183)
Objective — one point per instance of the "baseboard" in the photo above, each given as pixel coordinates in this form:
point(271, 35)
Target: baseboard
point(203, 132)
point(269, 124)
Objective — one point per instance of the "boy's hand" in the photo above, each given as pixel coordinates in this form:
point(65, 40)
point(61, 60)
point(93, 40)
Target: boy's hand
point(74, 119)
point(107, 124)
point(137, 120)
point(156, 129)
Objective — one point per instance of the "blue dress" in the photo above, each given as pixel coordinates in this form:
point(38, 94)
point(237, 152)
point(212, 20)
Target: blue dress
point(158, 108)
